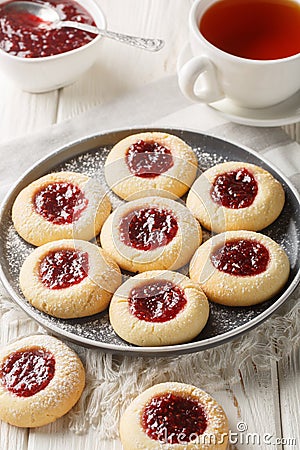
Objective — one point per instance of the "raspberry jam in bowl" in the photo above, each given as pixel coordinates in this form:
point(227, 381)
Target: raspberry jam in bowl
point(27, 36)
point(40, 59)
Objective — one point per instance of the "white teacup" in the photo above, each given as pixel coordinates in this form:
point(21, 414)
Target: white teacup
point(213, 74)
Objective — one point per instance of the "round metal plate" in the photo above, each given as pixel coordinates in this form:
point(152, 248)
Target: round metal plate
point(88, 156)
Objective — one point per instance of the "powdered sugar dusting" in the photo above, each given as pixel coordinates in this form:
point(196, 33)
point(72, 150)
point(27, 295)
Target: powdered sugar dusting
point(92, 164)
point(208, 159)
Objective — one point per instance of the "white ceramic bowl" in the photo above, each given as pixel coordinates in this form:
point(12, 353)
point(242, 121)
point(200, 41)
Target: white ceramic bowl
point(53, 72)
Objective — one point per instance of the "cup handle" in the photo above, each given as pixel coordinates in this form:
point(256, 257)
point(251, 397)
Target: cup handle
point(189, 73)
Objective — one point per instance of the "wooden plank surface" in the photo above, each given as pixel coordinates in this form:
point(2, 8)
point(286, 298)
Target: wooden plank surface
point(289, 391)
point(22, 113)
point(266, 401)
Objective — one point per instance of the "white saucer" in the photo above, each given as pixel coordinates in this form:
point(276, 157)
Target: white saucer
point(284, 113)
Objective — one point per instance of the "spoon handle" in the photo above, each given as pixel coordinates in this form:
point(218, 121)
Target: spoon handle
point(152, 45)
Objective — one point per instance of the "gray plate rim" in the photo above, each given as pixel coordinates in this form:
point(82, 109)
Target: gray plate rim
point(170, 350)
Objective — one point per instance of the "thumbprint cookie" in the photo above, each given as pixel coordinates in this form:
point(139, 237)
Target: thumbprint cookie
point(236, 196)
point(174, 415)
point(148, 164)
point(60, 205)
point(41, 379)
point(151, 233)
point(158, 308)
point(240, 268)
point(69, 278)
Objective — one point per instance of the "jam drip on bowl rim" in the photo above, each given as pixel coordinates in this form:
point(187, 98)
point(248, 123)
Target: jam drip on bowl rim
point(148, 159)
point(61, 269)
point(241, 257)
point(24, 35)
point(60, 203)
point(27, 372)
point(148, 228)
point(156, 301)
point(171, 418)
point(235, 189)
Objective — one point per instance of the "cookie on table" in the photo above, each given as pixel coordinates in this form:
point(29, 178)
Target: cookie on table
point(236, 196)
point(174, 415)
point(69, 278)
point(150, 163)
point(41, 379)
point(240, 268)
point(158, 308)
point(60, 205)
point(151, 233)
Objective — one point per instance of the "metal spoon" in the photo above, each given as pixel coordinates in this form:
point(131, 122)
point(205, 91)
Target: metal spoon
point(51, 18)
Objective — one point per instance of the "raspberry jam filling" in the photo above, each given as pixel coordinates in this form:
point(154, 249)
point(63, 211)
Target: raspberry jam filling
point(26, 36)
point(60, 203)
point(235, 190)
point(156, 301)
point(26, 372)
point(148, 159)
point(148, 228)
point(241, 257)
point(63, 268)
point(173, 419)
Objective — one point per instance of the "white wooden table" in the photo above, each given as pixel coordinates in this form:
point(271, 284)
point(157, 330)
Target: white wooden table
point(269, 403)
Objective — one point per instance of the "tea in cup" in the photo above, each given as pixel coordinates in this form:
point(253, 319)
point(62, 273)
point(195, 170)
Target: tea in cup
point(245, 50)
